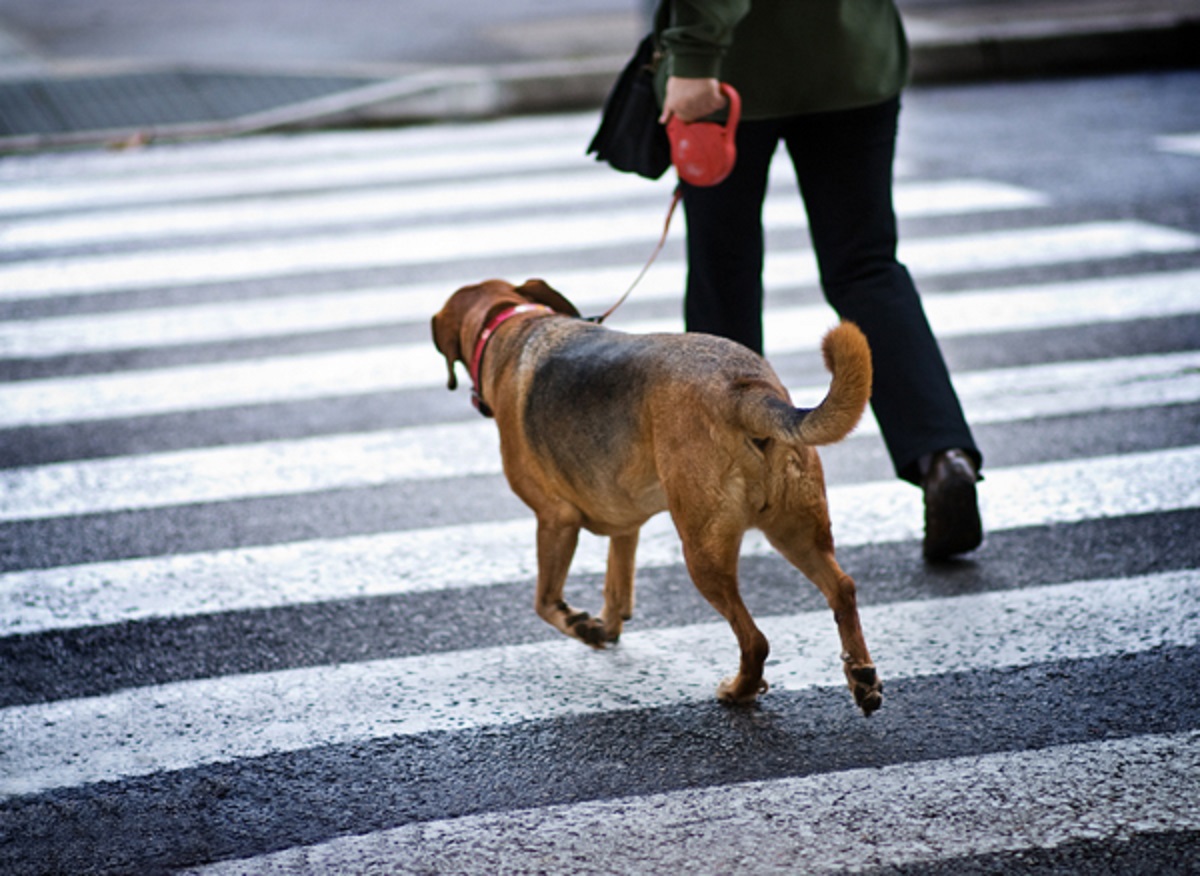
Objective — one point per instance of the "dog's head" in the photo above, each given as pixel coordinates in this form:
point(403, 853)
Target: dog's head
point(460, 322)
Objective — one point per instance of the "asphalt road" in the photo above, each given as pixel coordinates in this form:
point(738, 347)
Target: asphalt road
point(265, 597)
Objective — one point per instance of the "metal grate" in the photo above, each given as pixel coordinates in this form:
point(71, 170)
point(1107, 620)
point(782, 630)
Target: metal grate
point(60, 106)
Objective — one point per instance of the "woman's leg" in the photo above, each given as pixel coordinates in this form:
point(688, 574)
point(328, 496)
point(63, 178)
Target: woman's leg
point(725, 243)
point(844, 164)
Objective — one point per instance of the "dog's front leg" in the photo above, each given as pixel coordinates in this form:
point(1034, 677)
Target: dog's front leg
point(556, 542)
point(618, 584)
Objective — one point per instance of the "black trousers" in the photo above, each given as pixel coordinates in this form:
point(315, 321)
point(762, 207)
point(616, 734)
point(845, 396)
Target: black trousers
point(843, 163)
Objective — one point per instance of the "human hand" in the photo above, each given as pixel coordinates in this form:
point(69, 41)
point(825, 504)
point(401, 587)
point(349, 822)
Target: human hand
point(691, 99)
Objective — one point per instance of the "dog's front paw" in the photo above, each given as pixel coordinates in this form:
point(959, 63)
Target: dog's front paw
point(589, 630)
point(865, 685)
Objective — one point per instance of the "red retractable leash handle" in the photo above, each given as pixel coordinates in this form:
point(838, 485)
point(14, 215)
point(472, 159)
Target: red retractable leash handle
point(704, 152)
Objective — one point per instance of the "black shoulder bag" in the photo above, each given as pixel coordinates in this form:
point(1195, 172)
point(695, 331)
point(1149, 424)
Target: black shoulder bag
point(630, 137)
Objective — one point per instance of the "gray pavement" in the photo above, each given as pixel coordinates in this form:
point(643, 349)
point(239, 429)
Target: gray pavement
point(145, 69)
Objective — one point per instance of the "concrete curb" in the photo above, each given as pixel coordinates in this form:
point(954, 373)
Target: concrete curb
point(1158, 42)
point(1060, 49)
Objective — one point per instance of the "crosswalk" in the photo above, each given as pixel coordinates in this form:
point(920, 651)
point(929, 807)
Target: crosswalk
point(265, 599)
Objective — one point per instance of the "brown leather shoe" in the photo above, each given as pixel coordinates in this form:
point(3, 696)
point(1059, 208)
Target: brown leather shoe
point(952, 524)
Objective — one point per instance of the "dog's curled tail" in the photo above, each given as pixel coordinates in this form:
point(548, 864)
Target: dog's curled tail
point(848, 359)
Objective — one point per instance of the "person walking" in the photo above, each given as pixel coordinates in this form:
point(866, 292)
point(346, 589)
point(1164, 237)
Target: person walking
point(823, 77)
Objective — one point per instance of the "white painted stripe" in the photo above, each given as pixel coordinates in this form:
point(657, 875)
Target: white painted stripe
point(409, 203)
point(842, 822)
point(1140, 296)
point(536, 236)
point(199, 387)
point(570, 134)
point(352, 251)
point(1185, 144)
point(161, 327)
point(180, 725)
point(273, 468)
point(413, 366)
point(481, 554)
point(994, 311)
point(1030, 247)
point(276, 214)
point(1097, 301)
point(1009, 394)
point(249, 154)
point(398, 166)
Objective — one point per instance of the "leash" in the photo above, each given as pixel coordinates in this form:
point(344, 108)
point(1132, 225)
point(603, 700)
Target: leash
point(475, 366)
point(704, 154)
point(676, 196)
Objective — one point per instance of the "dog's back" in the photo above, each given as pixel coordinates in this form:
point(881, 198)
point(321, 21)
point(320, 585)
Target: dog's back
point(620, 418)
point(590, 384)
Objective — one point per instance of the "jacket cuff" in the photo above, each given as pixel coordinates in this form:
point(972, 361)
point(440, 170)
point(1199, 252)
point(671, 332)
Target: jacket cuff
point(697, 65)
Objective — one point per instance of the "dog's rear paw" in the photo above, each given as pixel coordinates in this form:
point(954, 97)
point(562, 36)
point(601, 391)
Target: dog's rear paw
point(866, 687)
point(734, 690)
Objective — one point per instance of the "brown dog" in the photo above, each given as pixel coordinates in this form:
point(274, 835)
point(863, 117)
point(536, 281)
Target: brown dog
point(602, 430)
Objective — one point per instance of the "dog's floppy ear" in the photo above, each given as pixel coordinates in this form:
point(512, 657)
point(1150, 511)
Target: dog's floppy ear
point(445, 338)
point(540, 292)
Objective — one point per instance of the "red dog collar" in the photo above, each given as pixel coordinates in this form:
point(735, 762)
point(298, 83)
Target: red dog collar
point(476, 364)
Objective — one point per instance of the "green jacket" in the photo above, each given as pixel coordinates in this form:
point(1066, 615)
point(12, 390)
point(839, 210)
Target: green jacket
point(787, 57)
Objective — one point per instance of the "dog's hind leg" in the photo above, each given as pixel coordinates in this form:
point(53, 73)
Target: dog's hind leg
point(556, 543)
point(810, 549)
point(839, 590)
point(618, 584)
point(712, 560)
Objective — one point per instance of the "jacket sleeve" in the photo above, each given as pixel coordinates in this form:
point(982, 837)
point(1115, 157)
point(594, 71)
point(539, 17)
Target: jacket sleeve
point(698, 34)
